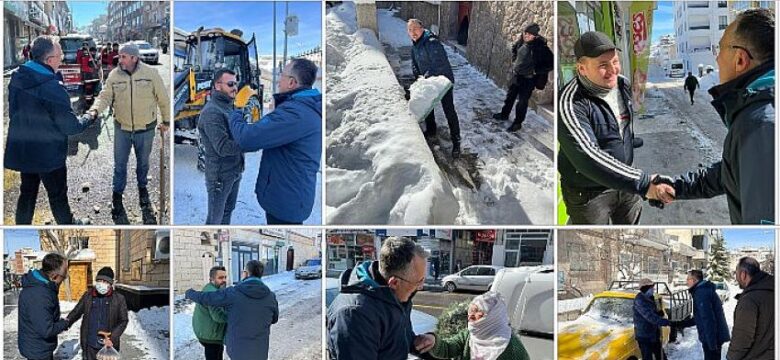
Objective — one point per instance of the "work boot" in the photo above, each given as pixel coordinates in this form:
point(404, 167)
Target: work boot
point(143, 198)
point(500, 116)
point(429, 135)
point(515, 127)
point(116, 202)
point(456, 150)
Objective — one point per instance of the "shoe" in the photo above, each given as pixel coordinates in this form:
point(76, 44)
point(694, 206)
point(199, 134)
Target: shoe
point(515, 127)
point(117, 206)
point(455, 150)
point(143, 198)
point(500, 116)
point(429, 135)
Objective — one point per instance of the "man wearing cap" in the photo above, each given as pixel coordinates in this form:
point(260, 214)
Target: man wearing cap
point(595, 133)
point(134, 91)
point(103, 315)
point(648, 320)
point(531, 61)
point(430, 59)
point(708, 315)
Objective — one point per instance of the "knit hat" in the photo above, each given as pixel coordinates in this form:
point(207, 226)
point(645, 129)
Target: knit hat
point(533, 29)
point(129, 49)
point(105, 274)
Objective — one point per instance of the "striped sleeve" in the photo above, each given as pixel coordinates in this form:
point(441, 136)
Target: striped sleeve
point(578, 143)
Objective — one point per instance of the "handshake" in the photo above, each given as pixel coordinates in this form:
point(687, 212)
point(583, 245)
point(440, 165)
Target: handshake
point(661, 191)
point(88, 117)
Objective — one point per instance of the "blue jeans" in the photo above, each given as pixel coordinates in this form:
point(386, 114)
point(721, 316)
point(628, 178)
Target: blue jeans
point(141, 143)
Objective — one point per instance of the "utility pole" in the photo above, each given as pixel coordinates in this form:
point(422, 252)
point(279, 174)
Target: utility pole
point(273, 85)
point(286, 14)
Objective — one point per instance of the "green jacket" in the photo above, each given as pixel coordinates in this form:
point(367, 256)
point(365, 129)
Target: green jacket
point(209, 322)
point(457, 347)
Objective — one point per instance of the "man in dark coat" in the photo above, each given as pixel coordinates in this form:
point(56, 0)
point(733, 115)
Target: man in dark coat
point(103, 315)
point(753, 334)
point(532, 60)
point(223, 157)
point(41, 119)
point(251, 309)
point(691, 83)
point(430, 59)
point(707, 315)
point(291, 140)
point(370, 317)
point(39, 309)
point(648, 321)
point(745, 102)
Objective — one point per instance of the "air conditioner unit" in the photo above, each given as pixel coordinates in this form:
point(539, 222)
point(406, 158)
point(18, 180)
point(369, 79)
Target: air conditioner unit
point(162, 245)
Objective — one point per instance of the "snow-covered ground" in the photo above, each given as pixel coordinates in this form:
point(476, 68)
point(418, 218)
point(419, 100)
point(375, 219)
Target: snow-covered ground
point(297, 335)
point(146, 335)
point(380, 170)
point(190, 196)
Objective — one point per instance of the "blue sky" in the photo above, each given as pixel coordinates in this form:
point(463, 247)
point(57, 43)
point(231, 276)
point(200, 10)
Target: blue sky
point(663, 19)
point(85, 11)
point(736, 238)
point(17, 239)
point(255, 17)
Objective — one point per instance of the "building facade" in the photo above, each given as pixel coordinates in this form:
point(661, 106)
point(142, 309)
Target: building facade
point(138, 20)
point(698, 27)
point(23, 21)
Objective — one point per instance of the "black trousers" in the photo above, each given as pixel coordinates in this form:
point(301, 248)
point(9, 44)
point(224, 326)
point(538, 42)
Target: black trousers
point(56, 185)
point(712, 354)
point(447, 103)
point(690, 92)
point(520, 90)
point(213, 351)
point(651, 350)
point(602, 207)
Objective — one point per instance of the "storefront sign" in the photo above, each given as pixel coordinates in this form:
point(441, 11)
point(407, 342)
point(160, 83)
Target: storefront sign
point(641, 26)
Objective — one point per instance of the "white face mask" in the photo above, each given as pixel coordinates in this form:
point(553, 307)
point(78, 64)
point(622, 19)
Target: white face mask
point(102, 288)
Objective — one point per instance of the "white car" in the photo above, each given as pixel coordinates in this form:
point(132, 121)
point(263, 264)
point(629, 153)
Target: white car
point(723, 290)
point(149, 54)
point(475, 277)
point(311, 269)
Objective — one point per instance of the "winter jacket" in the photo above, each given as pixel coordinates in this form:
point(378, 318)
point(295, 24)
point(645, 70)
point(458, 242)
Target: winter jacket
point(117, 315)
point(251, 309)
point(534, 59)
point(135, 98)
point(691, 83)
point(753, 334)
point(708, 316)
point(593, 155)
point(744, 174)
point(209, 322)
point(457, 348)
point(291, 140)
point(429, 57)
point(223, 156)
point(85, 61)
point(39, 316)
point(41, 119)
point(366, 321)
point(647, 321)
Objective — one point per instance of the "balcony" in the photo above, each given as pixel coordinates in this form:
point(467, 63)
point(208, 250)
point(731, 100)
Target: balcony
point(698, 4)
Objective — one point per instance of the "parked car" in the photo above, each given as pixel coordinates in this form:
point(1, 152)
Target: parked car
point(311, 269)
point(723, 290)
point(149, 54)
point(475, 277)
point(529, 295)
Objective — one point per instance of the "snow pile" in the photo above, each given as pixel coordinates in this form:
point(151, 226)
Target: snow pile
point(392, 30)
point(426, 93)
point(150, 328)
point(379, 167)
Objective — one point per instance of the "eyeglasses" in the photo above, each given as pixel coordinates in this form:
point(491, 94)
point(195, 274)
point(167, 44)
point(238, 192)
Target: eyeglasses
point(229, 83)
point(415, 283)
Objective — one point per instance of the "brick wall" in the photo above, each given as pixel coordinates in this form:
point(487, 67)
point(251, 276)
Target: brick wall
point(189, 253)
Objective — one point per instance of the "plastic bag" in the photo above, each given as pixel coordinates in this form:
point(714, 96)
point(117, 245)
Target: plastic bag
point(108, 353)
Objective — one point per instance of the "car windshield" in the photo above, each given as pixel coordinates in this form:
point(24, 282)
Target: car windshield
point(313, 262)
point(144, 46)
point(73, 44)
point(616, 309)
point(720, 286)
point(677, 66)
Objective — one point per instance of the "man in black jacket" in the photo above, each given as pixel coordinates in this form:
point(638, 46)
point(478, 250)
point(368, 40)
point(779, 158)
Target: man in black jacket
point(745, 101)
point(224, 159)
point(531, 61)
point(430, 59)
point(691, 83)
point(753, 334)
point(596, 138)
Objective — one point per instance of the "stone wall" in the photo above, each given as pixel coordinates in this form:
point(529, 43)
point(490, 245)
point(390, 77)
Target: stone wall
point(193, 258)
point(140, 267)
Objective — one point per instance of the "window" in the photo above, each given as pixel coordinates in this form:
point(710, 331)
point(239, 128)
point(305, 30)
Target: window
point(723, 22)
point(722, 4)
point(470, 271)
point(578, 258)
point(486, 271)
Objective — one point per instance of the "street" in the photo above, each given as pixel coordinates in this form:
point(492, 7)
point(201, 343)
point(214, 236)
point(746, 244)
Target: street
point(90, 167)
point(146, 336)
point(297, 335)
point(679, 137)
point(434, 301)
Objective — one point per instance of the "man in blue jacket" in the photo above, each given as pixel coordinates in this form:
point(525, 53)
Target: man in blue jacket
point(39, 308)
point(291, 140)
point(251, 310)
point(707, 315)
point(370, 318)
point(41, 119)
point(648, 322)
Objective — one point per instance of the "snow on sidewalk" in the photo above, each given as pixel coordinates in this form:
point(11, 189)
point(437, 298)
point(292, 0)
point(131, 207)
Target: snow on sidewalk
point(379, 167)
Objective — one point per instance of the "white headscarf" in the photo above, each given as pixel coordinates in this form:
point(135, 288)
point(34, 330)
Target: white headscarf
point(490, 335)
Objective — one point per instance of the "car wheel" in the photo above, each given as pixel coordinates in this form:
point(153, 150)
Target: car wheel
point(450, 286)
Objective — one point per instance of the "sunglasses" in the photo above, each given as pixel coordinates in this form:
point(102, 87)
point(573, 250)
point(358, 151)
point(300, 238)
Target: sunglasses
point(230, 83)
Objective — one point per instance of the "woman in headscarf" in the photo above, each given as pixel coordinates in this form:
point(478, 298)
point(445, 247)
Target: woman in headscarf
point(488, 336)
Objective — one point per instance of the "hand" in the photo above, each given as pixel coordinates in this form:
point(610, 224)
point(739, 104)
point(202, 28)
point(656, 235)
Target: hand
point(108, 342)
point(92, 114)
point(661, 189)
point(163, 127)
point(424, 343)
